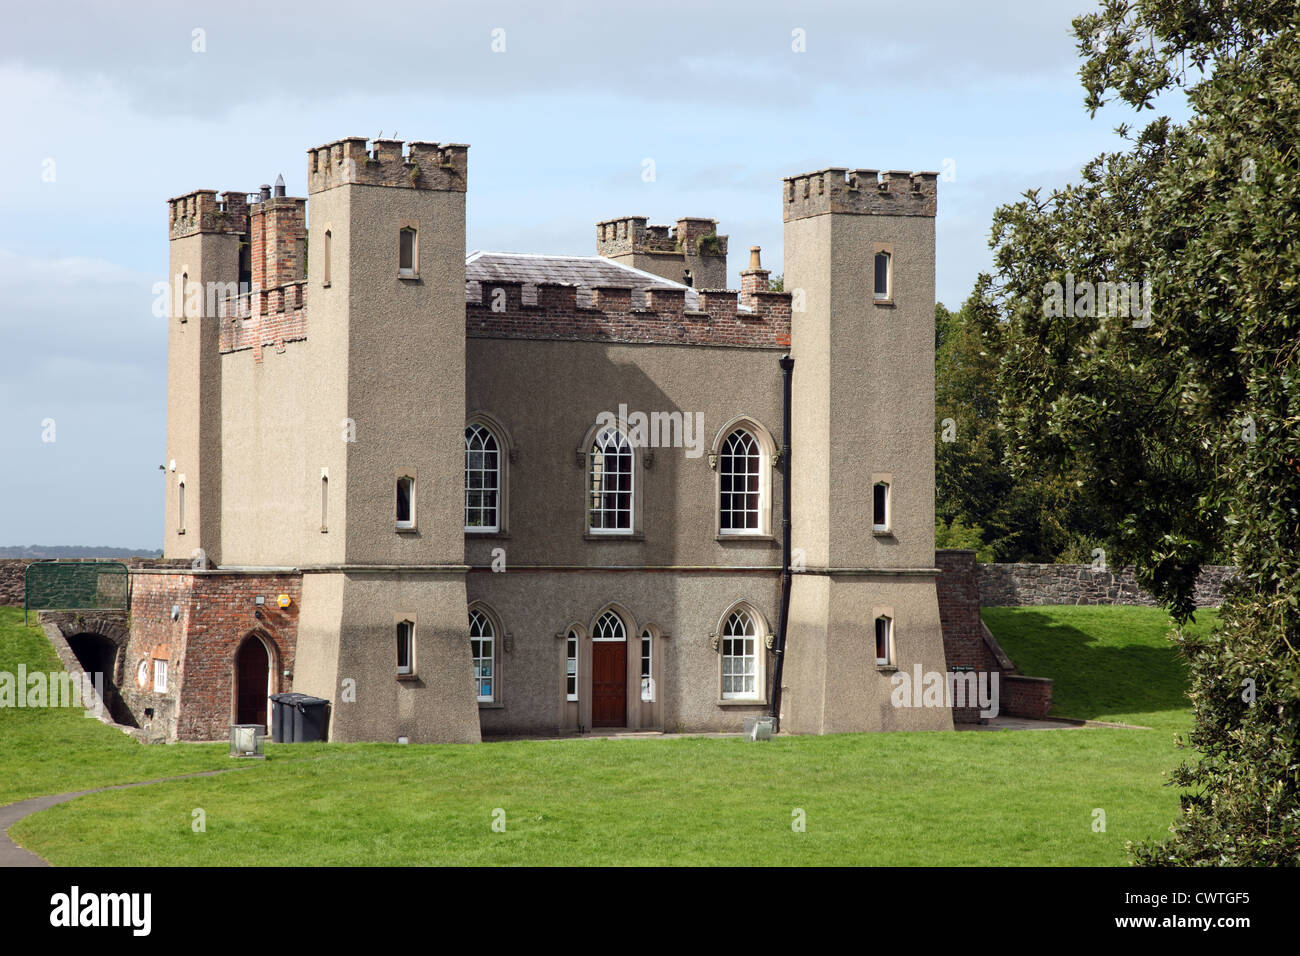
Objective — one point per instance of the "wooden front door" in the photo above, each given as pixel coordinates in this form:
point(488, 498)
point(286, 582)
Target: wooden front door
point(609, 683)
point(252, 668)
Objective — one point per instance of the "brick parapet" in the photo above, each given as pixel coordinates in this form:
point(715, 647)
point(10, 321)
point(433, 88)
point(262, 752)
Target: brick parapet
point(267, 317)
point(502, 313)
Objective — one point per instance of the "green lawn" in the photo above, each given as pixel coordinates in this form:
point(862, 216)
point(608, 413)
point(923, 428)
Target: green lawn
point(1112, 664)
point(45, 750)
point(911, 799)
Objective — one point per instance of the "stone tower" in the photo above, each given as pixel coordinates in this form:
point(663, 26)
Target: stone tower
point(204, 249)
point(386, 284)
point(693, 253)
point(859, 260)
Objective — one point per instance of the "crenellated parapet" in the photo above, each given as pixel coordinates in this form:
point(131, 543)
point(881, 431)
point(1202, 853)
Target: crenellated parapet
point(630, 235)
point(201, 212)
point(358, 161)
point(262, 317)
point(863, 192)
point(501, 312)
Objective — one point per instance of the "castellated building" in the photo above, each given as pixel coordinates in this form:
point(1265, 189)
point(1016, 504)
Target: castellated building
point(462, 496)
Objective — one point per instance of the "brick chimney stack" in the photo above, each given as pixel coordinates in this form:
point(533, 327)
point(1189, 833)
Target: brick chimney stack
point(753, 280)
point(277, 234)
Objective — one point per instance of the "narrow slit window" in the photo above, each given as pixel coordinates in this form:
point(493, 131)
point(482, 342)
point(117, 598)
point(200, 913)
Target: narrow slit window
point(406, 252)
point(406, 648)
point(884, 641)
point(883, 277)
point(329, 247)
point(324, 502)
point(406, 502)
point(647, 666)
point(180, 506)
point(571, 666)
point(880, 506)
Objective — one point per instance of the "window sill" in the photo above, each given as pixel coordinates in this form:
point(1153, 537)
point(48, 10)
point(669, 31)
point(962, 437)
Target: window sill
point(479, 533)
point(406, 677)
point(886, 533)
point(743, 702)
point(413, 277)
point(885, 302)
point(324, 285)
point(410, 530)
point(886, 668)
point(743, 538)
point(615, 536)
point(490, 705)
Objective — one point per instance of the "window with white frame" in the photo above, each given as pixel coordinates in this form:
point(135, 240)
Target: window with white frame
point(406, 647)
point(647, 665)
point(884, 640)
point(884, 277)
point(740, 484)
point(739, 656)
point(482, 642)
point(880, 506)
point(571, 666)
point(160, 677)
point(406, 252)
point(406, 502)
point(482, 479)
point(609, 628)
point(610, 483)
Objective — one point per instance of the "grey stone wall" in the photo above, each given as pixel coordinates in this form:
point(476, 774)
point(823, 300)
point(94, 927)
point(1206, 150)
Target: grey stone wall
point(1004, 585)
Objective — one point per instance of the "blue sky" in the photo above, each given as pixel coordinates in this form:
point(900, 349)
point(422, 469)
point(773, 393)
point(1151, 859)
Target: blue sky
point(109, 110)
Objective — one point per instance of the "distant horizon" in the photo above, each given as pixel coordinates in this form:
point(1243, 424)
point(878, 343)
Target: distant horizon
point(111, 551)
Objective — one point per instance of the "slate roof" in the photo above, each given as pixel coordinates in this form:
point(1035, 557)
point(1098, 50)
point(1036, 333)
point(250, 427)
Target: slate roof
point(582, 271)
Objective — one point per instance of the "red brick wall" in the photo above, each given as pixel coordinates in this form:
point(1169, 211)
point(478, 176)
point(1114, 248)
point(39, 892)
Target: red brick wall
point(272, 317)
point(217, 611)
point(959, 617)
point(1022, 696)
point(557, 316)
point(964, 645)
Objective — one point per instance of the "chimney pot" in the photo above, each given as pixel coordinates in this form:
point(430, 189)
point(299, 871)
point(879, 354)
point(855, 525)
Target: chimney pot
point(754, 262)
point(279, 185)
point(264, 193)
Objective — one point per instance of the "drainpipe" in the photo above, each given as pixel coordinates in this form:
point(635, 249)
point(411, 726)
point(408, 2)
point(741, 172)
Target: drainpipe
point(787, 374)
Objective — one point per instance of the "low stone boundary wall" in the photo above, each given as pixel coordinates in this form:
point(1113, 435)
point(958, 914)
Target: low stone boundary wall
point(1015, 585)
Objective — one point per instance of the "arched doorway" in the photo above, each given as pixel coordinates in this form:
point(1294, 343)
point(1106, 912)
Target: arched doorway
point(609, 672)
point(97, 655)
point(252, 681)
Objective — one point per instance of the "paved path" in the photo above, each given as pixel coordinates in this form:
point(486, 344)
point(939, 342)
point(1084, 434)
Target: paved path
point(11, 854)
